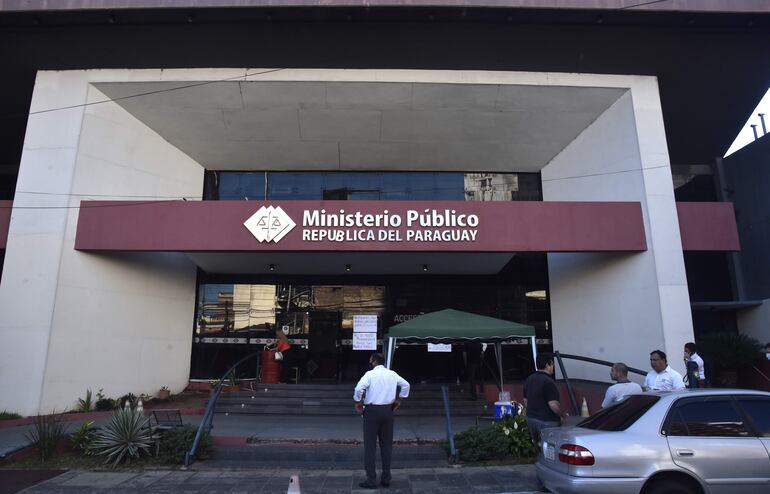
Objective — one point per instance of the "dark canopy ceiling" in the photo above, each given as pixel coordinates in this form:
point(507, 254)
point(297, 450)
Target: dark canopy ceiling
point(712, 68)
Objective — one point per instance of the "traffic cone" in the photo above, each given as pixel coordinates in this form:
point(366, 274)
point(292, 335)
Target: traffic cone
point(584, 408)
point(294, 485)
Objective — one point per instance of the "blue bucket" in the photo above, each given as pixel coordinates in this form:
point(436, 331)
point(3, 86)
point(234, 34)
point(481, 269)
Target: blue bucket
point(503, 409)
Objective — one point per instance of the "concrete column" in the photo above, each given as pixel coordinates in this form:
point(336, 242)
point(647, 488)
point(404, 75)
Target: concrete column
point(619, 307)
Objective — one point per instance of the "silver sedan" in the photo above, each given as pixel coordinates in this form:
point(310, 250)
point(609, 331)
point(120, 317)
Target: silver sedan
point(682, 442)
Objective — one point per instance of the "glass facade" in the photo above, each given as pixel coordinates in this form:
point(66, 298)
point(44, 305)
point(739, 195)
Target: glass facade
point(375, 186)
point(236, 314)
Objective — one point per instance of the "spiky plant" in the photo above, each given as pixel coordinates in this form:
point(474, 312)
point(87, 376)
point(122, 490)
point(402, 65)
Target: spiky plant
point(46, 434)
point(86, 404)
point(127, 435)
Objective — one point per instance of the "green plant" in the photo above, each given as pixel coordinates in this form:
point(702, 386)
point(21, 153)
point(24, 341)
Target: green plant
point(85, 404)
point(45, 435)
point(516, 432)
point(174, 443)
point(729, 351)
point(5, 415)
point(103, 403)
point(127, 435)
point(83, 438)
point(480, 444)
point(234, 380)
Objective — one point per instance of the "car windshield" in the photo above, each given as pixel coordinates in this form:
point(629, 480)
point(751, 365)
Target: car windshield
point(621, 416)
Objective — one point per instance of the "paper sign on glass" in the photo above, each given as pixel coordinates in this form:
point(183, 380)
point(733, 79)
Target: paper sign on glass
point(365, 324)
point(364, 341)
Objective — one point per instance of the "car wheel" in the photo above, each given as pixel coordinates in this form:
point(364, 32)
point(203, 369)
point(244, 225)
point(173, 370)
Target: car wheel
point(670, 486)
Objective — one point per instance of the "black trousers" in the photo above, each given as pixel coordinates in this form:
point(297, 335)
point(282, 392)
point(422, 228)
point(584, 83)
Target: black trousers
point(378, 424)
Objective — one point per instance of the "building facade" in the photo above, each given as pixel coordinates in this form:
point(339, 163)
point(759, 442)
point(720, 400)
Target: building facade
point(166, 220)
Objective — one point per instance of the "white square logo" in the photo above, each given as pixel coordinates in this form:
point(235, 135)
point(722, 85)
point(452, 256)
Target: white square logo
point(269, 223)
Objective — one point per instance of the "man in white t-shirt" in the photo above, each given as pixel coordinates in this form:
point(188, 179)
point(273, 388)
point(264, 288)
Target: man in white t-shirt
point(662, 377)
point(691, 355)
point(623, 388)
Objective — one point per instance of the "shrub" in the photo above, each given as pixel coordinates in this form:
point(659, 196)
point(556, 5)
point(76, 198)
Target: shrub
point(516, 432)
point(85, 404)
point(5, 415)
point(174, 443)
point(48, 430)
point(480, 444)
point(127, 435)
point(103, 403)
point(729, 351)
point(83, 438)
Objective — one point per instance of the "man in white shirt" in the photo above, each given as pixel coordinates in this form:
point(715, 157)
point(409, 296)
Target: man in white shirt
point(691, 355)
point(623, 388)
point(377, 405)
point(662, 377)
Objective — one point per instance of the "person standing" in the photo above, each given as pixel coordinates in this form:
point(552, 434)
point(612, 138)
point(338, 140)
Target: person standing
point(691, 355)
point(541, 399)
point(376, 397)
point(662, 377)
point(623, 388)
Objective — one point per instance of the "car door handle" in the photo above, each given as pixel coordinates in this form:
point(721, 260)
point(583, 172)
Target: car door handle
point(685, 452)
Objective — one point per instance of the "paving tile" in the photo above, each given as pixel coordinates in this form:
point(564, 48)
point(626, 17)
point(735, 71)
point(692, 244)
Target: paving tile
point(423, 477)
point(87, 480)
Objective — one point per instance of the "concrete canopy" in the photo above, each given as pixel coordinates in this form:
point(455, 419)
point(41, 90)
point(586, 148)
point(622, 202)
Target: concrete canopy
point(290, 125)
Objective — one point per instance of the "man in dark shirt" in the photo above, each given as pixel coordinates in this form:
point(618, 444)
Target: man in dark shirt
point(541, 399)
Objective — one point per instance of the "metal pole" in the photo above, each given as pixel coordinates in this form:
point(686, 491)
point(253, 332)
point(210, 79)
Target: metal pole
point(534, 353)
point(391, 349)
point(499, 354)
point(569, 385)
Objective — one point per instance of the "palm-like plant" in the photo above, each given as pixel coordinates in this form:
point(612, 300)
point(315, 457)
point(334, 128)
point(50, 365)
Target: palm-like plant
point(127, 435)
point(86, 404)
point(44, 437)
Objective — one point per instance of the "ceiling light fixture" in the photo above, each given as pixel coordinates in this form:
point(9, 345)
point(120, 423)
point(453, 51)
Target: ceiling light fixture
point(424, 267)
point(347, 267)
point(271, 267)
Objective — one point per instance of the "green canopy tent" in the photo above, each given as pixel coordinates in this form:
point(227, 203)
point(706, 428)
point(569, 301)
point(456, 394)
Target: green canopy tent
point(452, 326)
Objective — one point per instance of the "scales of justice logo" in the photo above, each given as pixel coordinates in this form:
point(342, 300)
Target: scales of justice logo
point(269, 224)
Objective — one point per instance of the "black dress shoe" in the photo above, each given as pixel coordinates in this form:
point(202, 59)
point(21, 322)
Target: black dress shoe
point(385, 483)
point(367, 485)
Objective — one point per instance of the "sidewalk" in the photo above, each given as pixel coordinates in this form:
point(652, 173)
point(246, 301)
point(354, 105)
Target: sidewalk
point(502, 479)
point(314, 431)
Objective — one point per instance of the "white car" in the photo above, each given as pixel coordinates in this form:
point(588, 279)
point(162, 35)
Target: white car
point(709, 441)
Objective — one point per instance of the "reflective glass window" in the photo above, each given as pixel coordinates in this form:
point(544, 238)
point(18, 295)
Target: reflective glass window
point(707, 417)
point(376, 186)
point(758, 410)
point(237, 186)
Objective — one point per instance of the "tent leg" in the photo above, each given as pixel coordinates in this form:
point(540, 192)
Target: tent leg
point(534, 353)
point(391, 349)
point(499, 355)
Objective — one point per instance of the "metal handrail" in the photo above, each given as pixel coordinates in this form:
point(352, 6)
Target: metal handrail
point(450, 436)
point(571, 391)
point(208, 416)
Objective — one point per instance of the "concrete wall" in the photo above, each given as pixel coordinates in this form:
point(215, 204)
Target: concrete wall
point(619, 307)
point(71, 320)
